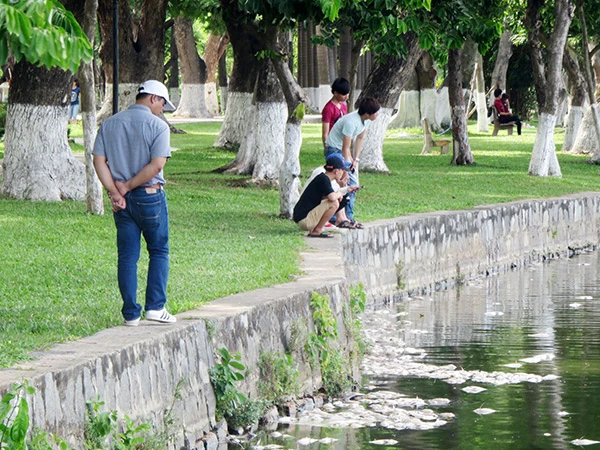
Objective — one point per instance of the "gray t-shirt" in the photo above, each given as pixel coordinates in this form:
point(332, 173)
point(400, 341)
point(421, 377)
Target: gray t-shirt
point(130, 139)
point(350, 125)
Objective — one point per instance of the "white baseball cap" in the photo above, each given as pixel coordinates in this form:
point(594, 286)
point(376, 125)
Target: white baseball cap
point(157, 88)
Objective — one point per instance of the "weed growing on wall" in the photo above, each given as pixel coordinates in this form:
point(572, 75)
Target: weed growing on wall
point(14, 416)
point(278, 377)
point(321, 348)
point(232, 405)
point(358, 300)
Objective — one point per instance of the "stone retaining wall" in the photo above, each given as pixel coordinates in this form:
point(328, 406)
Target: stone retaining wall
point(138, 370)
point(426, 251)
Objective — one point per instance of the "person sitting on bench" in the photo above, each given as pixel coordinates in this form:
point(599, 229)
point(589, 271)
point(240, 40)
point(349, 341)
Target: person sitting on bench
point(504, 115)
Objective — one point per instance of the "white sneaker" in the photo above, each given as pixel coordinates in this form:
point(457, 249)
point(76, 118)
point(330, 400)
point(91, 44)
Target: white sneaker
point(132, 323)
point(161, 316)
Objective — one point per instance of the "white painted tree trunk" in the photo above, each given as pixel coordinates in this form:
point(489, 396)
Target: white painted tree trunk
point(93, 197)
point(543, 157)
point(408, 111)
point(593, 134)
point(289, 182)
point(269, 140)
point(192, 102)
point(428, 101)
point(38, 163)
point(482, 117)
point(212, 102)
point(574, 121)
point(371, 157)
point(174, 96)
point(224, 91)
point(324, 95)
point(235, 123)
point(127, 94)
point(442, 108)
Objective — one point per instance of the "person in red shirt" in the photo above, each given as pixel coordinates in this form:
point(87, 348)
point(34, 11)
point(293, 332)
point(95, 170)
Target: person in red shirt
point(336, 107)
point(504, 115)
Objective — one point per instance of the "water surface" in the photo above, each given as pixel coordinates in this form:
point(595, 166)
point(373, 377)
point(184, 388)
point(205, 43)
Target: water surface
point(543, 321)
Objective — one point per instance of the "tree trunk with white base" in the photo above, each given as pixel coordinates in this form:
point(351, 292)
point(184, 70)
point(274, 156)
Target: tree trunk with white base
point(585, 142)
point(94, 198)
point(193, 72)
point(385, 83)
point(460, 139)
point(215, 48)
point(236, 122)
point(243, 77)
point(191, 103)
point(480, 100)
point(262, 149)
point(38, 163)
point(576, 82)
point(546, 60)
point(127, 94)
point(573, 130)
point(408, 105)
point(289, 181)
point(141, 48)
point(269, 141)
point(543, 158)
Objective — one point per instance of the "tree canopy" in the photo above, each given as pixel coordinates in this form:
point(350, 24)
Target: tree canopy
point(42, 32)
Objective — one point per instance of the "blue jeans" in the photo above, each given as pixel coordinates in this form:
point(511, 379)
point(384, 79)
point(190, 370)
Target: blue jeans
point(352, 182)
point(146, 214)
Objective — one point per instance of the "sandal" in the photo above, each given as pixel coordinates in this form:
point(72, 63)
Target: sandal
point(356, 224)
point(345, 224)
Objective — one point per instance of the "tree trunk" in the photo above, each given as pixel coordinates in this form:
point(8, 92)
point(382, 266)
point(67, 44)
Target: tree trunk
point(242, 80)
point(141, 48)
point(547, 79)
point(94, 198)
point(577, 101)
point(38, 163)
point(501, 66)
point(223, 88)
point(460, 139)
point(295, 98)
point(482, 116)
point(193, 72)
point(215, 48)
point(590, 82)
point(385, 83)
point(426, 75)
point(345, 54)
point(323, 75)
point(172, 70)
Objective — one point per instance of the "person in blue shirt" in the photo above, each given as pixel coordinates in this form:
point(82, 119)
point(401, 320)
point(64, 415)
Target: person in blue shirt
point(74, 110)
point(346, 137)
point(130, 151)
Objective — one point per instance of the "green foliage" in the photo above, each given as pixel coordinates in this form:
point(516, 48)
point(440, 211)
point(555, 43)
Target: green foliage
point(44, 32)
point(232, 405)
point(278, 377)
point(98, 425)
point(14, 416)
point(104, 430)
point(321, 349)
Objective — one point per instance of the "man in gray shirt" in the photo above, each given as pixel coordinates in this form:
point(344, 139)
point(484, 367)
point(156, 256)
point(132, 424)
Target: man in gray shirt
point(130, 152)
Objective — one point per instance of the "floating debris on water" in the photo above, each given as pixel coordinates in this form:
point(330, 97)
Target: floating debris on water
point(584, 442)
point(473, 389)
point(384, 442)
point(538, 358)
point(484, 411)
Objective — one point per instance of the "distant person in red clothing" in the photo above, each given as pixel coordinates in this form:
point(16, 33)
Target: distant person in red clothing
point(336, 107)
point(504, 114)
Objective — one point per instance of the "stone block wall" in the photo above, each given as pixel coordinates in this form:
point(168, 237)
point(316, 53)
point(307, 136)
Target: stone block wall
point(424, 251)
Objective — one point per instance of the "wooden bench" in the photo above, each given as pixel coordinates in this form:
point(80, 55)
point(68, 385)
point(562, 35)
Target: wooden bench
point(429, 142)
point(498, 126)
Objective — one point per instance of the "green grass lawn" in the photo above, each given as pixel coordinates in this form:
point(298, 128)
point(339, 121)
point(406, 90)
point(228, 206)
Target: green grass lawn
point(58, 274)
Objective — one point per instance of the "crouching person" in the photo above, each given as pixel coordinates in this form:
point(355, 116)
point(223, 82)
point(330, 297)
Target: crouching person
point(319, 202)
